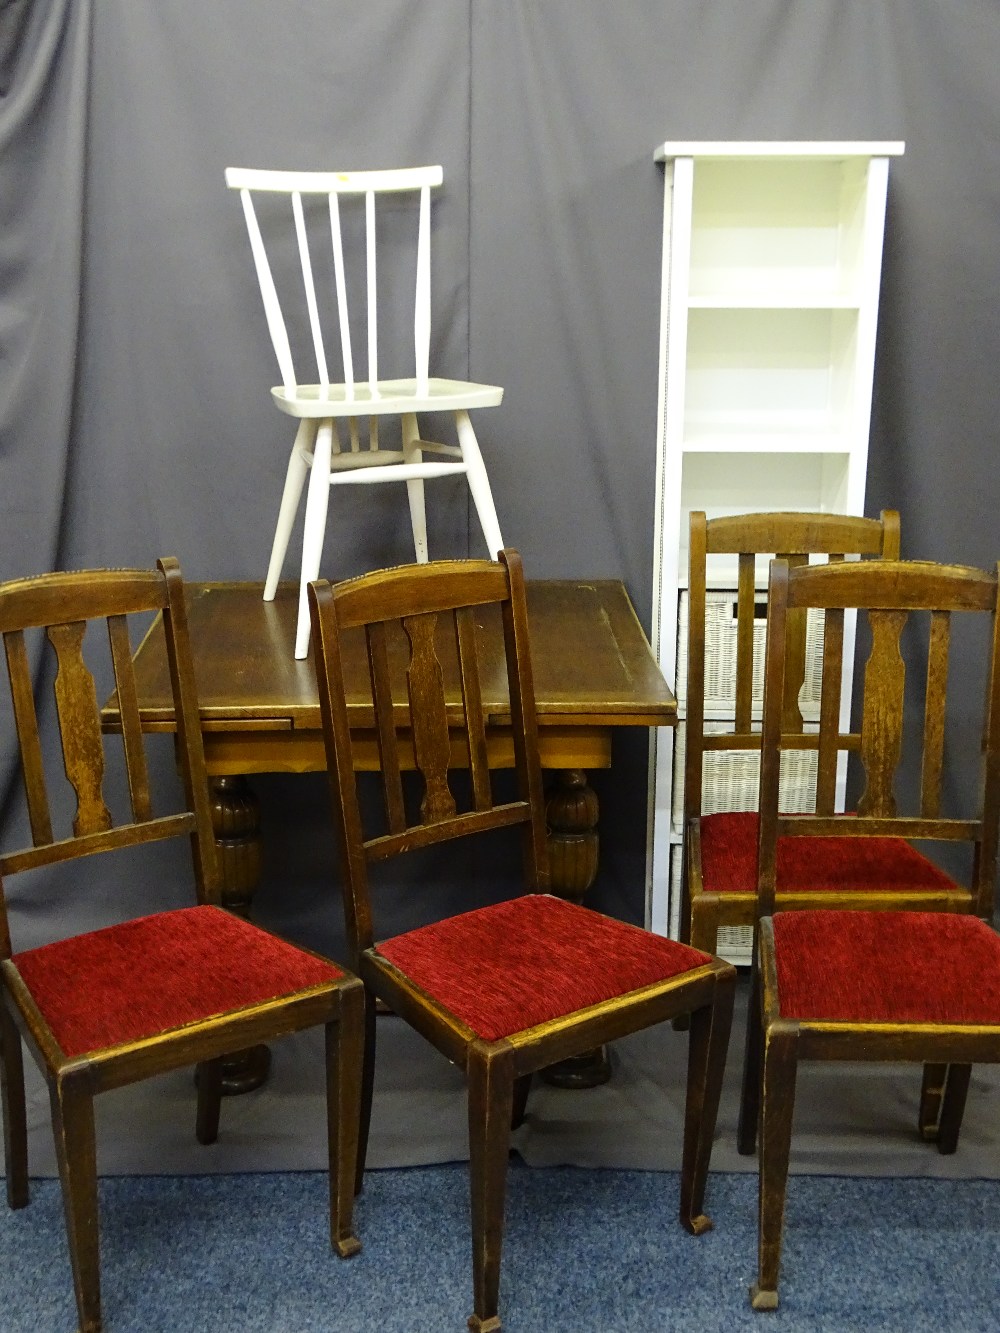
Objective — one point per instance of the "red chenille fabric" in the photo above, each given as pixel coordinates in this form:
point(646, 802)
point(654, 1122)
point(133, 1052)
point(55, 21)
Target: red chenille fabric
point(157, 973)
point(508, 967)
point(887, 967)
point(812, 865)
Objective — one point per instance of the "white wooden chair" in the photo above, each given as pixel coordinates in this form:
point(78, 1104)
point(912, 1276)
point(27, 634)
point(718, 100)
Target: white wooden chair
point(320, 404)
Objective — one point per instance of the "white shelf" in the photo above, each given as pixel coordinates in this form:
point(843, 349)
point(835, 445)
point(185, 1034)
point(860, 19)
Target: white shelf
point(770, 370)
point(769, 300)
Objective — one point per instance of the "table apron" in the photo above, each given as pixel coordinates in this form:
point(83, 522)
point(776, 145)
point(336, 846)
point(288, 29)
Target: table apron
point(233, 752)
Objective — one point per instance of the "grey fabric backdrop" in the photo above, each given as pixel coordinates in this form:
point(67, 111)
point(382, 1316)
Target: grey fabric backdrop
point(135, 419)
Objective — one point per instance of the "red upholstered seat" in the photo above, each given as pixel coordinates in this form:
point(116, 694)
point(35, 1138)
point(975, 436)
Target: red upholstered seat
point(887, 967)
point(508, 967)
point(812, 865)
point(158, 973)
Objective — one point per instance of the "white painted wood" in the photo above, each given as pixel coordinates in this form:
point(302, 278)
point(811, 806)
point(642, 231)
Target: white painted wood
point(317, 500)
point(309, 286)
point(299, 463)
point(340, 282)
point(769, 302)
point(479, 484)
point(422, 299)
point(763, 148)
point(372, 270)
point(272, 306)
point(319, 402)
point(338, 182)
point(415, 486)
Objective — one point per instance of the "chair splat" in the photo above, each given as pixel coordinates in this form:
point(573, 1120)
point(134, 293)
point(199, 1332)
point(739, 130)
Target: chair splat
point(882, 713)
point(431, 743)
point(80, 728)
point(26, 722)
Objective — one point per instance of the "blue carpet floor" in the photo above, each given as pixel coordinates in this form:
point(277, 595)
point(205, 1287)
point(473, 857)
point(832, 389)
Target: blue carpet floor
point(585, 1249)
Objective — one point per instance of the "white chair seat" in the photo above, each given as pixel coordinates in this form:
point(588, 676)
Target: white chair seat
point(392, 398)
point(317, 402)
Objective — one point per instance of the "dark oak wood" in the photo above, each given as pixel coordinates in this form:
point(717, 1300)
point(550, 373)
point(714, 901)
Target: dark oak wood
point(434, 601)
point(892, 595)
point(888, 595)
point(750, 539)
point(64, 605)
point(594, 671)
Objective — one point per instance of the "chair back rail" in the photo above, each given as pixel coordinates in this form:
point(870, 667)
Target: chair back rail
point(793, 537)
point(62, 606)
point(425, 672)
point(892, 596)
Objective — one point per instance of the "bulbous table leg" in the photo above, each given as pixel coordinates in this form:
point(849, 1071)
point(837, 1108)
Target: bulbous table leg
point(236, 822)
point(571, 811)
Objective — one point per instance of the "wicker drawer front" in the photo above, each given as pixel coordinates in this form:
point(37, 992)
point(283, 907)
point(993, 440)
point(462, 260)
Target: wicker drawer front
point(720, 652)
point(731, 778)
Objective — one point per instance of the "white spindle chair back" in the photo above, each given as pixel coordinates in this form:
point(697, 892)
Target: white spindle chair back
point(370, 184)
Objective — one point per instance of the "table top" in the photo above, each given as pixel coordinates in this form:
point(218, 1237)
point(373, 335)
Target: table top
point(593, 665)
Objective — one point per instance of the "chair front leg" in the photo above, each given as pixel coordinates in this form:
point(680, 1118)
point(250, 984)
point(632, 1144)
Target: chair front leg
point(707, 1046)
point(479, 484)
point(491, 1102)
point(73, 1129)
point(345, 1041)
point(15, 1120)
point(777, 1107)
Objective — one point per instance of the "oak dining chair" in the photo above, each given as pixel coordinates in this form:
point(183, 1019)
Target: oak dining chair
point(920, 983)
point(184, 985)
point(507, 989)
point(722, 695)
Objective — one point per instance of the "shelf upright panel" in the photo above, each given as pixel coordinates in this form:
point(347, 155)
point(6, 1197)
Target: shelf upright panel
point(772, 256)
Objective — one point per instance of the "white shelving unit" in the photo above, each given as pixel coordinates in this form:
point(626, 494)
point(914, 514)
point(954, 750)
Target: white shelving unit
point(772, 258)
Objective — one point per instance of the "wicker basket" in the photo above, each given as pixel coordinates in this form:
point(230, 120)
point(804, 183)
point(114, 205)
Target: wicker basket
point(720, 652)
point(731, 778)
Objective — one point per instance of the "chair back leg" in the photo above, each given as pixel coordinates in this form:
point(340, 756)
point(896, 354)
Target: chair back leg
point(15, 1122)
point(708, 1043)
point(344, 1054)
point(317, 502)
point(209, 1080)
point(415, 487)
point(295, 477)
point(956, 1089)
point(367, 1086)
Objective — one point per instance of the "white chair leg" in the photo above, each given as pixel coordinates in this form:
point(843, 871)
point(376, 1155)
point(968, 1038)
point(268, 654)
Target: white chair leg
point(479, 484)
point(294, 480)
point(317, 501)
point(415, 487)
